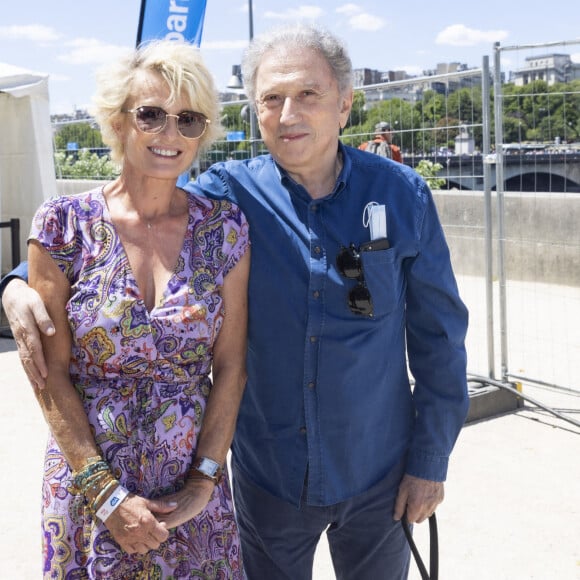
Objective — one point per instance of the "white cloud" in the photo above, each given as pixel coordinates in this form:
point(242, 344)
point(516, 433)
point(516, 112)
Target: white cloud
point(366, 21)
point(349, 9)
point(91, 51)
point(305, 12)
point(358, 19)
point(461, 35)
point(30, 32)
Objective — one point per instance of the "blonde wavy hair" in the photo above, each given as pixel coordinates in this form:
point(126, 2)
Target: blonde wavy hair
point(181, 66)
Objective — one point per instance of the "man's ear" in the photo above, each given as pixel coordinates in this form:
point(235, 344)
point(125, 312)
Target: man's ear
point(346, 106)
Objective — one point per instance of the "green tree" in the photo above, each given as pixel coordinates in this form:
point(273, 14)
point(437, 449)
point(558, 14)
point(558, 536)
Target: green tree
point(232, 118)
point(358, 113)
point(84, 165)
point(466, 105)
point(85, 135)
point(432, 108)
point(428, 171)
point(538, 112)
point(398, 113)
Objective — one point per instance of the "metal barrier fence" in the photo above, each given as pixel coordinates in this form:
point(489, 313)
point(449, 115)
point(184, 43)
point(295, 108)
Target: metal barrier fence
point(512, 232)
point(539, 333)
point(13, 225)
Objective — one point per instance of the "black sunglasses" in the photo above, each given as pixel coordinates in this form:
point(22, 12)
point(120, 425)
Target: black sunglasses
point(349, 264)
point(190, 124)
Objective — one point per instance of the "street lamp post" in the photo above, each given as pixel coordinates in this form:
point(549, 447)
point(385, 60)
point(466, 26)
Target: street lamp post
point(251, 14)
point(253, 131)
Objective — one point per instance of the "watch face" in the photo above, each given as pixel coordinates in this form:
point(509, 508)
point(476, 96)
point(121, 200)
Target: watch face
point(208, 466)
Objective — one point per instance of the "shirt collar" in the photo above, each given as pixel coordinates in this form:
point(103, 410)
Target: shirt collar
point(341, 180)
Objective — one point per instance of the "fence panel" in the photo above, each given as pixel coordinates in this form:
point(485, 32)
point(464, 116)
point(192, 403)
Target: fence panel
point(539, 294)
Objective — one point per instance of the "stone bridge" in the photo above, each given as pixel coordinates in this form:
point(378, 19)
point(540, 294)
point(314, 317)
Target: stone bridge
point(549, 172)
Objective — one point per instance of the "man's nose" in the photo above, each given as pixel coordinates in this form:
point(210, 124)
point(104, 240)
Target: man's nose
point(289, 110)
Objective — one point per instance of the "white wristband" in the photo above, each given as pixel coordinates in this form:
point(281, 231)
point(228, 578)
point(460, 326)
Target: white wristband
point(112, 503)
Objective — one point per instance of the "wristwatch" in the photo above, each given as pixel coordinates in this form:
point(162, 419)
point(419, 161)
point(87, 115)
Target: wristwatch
point(207, 469)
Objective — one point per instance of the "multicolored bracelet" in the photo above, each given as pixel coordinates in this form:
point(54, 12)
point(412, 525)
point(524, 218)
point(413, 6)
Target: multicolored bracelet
point(92, 468)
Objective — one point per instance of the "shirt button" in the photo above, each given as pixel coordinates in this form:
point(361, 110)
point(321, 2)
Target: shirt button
point(311, 384)
point(316, 294)
point(317, 250)
point(302, 430)
point(313, 339)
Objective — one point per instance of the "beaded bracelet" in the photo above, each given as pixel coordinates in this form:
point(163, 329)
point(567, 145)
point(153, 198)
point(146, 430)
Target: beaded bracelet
point(103, 493)
point(82, 478)
point(97, 484)
point(90, 461)
point(93, 459)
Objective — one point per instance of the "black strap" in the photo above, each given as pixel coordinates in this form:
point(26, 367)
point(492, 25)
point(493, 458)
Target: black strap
point(433, 548)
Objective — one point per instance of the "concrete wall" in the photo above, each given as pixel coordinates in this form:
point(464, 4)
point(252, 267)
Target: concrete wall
point(542, 232)
point(70, 186)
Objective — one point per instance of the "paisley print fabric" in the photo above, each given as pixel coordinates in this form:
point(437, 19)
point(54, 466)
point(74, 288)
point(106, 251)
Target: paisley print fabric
point(144, 378)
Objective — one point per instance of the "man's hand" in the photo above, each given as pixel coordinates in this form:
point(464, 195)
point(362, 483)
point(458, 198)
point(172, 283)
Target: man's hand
point(135, 527)
point(28, 317)
point(419, 497)
point(191, 500)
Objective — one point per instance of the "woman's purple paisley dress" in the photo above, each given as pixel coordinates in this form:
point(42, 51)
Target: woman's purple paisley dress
point(144, 378)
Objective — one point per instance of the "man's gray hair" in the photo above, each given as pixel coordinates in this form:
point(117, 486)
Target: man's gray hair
point(295, 37)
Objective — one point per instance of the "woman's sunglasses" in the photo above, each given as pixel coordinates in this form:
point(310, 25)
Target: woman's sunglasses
point(190, 124)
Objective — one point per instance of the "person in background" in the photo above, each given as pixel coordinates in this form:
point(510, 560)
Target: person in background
point(382, 144)
point(146, 286)
point(350, 276)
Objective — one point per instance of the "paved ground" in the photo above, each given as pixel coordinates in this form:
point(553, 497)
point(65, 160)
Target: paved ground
point(513, 494)
point(512, 508)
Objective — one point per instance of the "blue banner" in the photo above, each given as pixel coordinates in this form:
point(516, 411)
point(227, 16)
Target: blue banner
point(236, 136)
point(171, 19)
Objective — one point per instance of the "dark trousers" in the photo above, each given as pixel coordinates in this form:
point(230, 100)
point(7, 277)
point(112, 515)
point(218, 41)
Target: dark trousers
point(279, 539)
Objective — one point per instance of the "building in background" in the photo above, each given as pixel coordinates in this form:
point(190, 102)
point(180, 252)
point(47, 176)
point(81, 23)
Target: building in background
point(551, 68)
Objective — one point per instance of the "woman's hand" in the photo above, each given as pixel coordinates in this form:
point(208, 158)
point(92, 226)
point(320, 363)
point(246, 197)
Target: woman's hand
point(135, 524)
point(191, 500)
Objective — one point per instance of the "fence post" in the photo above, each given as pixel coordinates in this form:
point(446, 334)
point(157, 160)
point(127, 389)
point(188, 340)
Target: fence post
point(14, 225)
point(15, 241)
point(487, 161)
point(499, 188)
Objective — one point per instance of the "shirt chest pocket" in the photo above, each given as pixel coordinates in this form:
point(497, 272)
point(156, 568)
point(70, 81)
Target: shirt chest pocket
point(383, 279)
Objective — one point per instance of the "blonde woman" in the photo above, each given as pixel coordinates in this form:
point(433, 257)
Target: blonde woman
point(147, 287)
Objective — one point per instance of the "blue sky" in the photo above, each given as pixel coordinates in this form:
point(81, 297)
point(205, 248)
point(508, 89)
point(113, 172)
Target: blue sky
point(68, 39)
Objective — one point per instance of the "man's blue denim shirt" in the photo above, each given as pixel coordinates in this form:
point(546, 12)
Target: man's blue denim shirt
point(21, 271)
point(328, 395)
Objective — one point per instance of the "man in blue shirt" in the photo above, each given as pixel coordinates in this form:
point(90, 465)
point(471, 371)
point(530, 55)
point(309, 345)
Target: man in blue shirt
point(351, 286)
